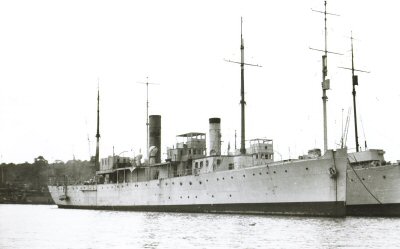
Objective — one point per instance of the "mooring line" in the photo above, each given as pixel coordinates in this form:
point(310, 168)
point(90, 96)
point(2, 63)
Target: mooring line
point(362, 181)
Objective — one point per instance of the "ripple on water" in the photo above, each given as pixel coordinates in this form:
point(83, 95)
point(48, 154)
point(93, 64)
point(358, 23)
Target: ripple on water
point(45, 227)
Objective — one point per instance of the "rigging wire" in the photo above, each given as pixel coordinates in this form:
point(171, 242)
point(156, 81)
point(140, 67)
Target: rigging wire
point(361, 180)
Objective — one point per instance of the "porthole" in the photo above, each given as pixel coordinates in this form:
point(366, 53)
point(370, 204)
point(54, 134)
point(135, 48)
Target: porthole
point(212, 196)
point(254, 174)
point(285, 170)
point(190, 183)
point(244, 175)
point(180, 183)
point(384, 177)
point(217, 179)
point(200, 182)
point(223, 178)
point(231, 177)
point(274, 172)
point(260, 173)
point(306, 168)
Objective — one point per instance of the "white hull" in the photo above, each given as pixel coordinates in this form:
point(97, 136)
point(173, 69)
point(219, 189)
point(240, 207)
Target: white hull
point(303, 187)
point(374, 190)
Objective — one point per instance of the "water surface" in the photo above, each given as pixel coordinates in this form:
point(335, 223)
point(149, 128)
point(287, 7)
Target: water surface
point(45, 227)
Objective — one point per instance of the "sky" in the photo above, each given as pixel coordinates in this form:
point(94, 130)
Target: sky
point(54, 54)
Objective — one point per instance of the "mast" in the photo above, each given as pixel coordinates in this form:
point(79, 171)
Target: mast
point(147, 117)
point(354, 84)
point(98, 130)
point(235, 140)
point(242, 101)
point(325, 82)
point(147, 112)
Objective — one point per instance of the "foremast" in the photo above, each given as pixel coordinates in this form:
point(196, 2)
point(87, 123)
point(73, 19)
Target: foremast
point(242, 101)
point(325, 82)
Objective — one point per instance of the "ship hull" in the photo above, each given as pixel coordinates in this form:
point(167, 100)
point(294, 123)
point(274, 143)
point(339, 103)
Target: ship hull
point(302, 187)
point(386, 210)
point(331, 209)
point(373, 191)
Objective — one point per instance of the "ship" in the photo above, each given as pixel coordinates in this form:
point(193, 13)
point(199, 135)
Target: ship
point(194, 178)
point(372, 183)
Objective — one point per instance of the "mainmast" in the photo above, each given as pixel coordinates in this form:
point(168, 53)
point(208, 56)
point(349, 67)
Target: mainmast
point(354, 83)
point(325, 81)
point(242, 101)
point(98, 130)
